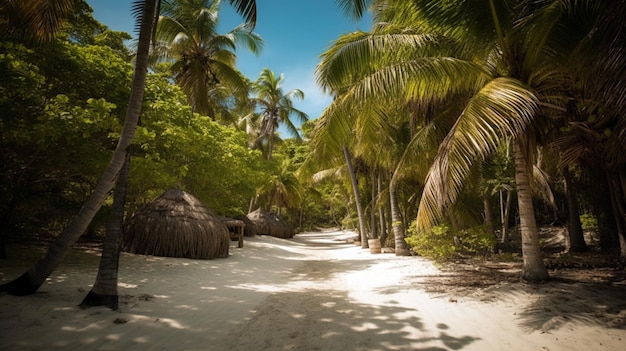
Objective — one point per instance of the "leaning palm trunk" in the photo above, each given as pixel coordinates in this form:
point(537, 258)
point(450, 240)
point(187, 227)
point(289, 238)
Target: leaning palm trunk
point(31, 280)
point(357, 199)
point(533, 267)
point(104, 291)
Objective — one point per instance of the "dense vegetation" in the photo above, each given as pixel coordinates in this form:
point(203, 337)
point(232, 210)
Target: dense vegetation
point(446, 115)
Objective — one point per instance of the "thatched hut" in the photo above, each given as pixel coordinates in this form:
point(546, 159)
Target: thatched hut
point(268, 223)
point(176, 224)
point(250, 227)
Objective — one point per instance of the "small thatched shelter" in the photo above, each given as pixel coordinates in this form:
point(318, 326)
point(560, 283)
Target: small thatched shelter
point(235, 229)
point(176, 224)
point(268, 223)
point(250, 227)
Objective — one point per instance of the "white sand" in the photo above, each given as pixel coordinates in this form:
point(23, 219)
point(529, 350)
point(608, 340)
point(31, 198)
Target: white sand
point(314, 292)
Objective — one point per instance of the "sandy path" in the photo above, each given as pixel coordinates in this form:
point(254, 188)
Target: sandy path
point(311, 293)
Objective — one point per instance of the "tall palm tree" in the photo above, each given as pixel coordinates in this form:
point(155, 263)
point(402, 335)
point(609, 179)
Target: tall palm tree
point(203, 61)
point(509, 68)
point(32, 279)
point(276, 108)
point(104, 291)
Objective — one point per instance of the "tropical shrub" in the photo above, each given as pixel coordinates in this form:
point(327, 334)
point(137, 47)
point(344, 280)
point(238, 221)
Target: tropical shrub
point(442, 242)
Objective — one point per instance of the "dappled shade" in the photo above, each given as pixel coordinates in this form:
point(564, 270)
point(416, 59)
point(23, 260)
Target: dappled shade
point(176, 224)
point(268, 223)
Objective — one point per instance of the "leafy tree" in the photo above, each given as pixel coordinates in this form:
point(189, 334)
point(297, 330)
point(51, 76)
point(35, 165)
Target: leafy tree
point(32, 279)
point(430, 51)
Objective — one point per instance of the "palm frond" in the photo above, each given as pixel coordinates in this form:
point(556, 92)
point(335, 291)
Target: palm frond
point(504, 107)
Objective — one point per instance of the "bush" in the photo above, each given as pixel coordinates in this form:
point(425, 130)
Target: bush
point(588, 221)
point(443, 243)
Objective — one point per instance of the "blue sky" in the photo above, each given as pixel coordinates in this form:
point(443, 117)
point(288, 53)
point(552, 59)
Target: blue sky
point(295, 32)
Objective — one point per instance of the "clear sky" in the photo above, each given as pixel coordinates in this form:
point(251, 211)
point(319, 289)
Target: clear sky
point(295, 32)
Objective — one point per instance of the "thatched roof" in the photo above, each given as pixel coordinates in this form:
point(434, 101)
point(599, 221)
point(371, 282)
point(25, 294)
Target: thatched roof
point(176, 224)
point(250, 228)
point(268, 223)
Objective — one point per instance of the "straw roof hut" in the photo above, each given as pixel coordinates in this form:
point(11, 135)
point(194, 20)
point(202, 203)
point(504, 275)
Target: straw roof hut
point(176, 224)
point(250, 228)
point(268, 223)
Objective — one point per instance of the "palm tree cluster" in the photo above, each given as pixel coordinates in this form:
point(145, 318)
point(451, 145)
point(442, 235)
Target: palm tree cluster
point(437, 89)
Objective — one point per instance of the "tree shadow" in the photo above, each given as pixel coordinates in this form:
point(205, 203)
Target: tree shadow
point(329, 320)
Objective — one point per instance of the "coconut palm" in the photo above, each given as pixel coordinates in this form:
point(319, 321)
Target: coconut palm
point(32, 279)
point(39, 20)
point(203, 61)
point(509, 67)
point(281, 190)
point(276, 108)
point(145, 12)
point(104, 291)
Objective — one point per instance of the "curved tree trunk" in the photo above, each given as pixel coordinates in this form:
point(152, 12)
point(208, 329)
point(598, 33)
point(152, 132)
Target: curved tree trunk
point(31, 280)
point(533, 269)
point(357, 198)
point(104, 291)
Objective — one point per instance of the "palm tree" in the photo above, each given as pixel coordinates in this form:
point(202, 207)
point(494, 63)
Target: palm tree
point(282, 189)
point(39, 20)
point(104, 291)
point(506, 66)
point(203, 61)
point(32, 279)
point(276, 107)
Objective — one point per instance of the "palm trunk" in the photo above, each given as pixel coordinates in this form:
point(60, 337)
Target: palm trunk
point(533, 268)
point(104, 291)
point(574, 227)
point(505, 214)
point(357, 198)
point(381, 216)
point(373, 224)
point(618, 211)
point(397, 224)
point(31, 280)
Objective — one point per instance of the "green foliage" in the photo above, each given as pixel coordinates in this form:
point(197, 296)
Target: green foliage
point(176, 148)
point(443, 243)
point(588, 221)
point(59, 118)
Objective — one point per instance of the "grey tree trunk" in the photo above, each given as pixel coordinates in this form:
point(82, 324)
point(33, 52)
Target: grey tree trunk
point(533, 268)
point(381, 215)
point(31, 280)
point(373, 224)
point(357, 198)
